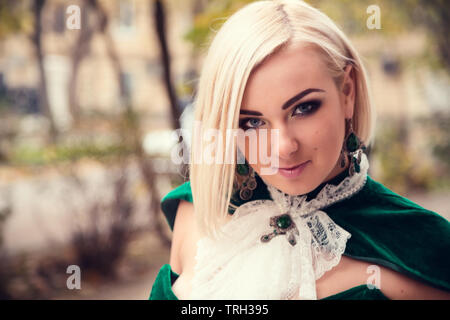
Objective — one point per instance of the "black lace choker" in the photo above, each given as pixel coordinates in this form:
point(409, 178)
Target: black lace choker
point(261, 191)
point(334, 181)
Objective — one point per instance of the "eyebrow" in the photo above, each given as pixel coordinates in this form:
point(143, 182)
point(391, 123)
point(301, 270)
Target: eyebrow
point(254, 113)
point(288, 103)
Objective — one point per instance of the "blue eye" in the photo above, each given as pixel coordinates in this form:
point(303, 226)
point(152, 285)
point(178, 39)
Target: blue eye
point(306, 108)
point(250, 123)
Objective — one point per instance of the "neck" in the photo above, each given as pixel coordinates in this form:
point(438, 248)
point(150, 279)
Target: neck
point(337, 170)
point(335, 177)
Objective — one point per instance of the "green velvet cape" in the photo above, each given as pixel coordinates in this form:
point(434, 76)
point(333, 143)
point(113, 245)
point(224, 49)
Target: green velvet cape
point(387, 229)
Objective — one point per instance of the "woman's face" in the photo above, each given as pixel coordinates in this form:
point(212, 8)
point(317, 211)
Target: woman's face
point(293, 92)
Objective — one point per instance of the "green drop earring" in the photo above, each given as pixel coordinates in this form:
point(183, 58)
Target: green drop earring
point(249, 184)
point(352, 146)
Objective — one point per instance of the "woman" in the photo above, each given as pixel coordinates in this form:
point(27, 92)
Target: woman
point(318, 226)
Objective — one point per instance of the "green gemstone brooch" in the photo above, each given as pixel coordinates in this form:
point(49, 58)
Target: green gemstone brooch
point(282, 224)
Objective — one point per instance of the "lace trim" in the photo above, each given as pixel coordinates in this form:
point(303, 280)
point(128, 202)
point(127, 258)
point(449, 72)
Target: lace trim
point(239, 266)
point(329, 194)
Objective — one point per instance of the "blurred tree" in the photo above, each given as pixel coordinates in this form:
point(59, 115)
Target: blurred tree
point(81, 50)
point(160, 26)
point(26, 17)
point(38, 6)
point(175, 109)
point(435, 16)
point(97, 249)
point(15, 17)
point(112, 52)
point(130, 124)
point(131, 134)
point(5, 272)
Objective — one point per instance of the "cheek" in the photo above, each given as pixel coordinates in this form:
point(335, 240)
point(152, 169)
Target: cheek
point(327, 142)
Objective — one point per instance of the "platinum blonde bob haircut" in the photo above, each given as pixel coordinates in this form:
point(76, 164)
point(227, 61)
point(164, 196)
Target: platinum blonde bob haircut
point(248, 37)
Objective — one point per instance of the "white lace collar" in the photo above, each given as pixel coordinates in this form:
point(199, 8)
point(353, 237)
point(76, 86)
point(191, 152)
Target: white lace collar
point(260, 256)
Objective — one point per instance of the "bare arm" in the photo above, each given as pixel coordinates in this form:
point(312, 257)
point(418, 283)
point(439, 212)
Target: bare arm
point(399, 287)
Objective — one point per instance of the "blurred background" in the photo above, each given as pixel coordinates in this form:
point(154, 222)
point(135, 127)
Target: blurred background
point(91, 92)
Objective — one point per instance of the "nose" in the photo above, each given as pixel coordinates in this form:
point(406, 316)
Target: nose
point(288, 144)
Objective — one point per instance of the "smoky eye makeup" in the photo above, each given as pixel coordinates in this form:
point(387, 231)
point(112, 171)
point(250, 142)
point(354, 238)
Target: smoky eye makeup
point(306, 108)
point(250, 123)
point(302, 109)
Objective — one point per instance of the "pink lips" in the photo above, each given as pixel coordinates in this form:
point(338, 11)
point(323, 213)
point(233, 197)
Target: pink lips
point(294, 171)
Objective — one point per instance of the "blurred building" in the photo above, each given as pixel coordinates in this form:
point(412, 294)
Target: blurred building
point(401, 88)
point(132, 29)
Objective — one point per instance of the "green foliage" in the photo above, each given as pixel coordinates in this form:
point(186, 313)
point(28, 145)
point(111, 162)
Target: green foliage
point(403, 169)
point(437, 126)
point(394, 158)
point(14, 17)
point(210, 20)
point(123, 139)
point(29, 155)
point(352, 15)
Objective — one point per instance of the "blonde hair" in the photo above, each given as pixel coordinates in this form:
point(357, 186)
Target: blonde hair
point(248, 37)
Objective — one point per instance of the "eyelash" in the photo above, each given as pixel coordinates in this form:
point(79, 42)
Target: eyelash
point(315, 104)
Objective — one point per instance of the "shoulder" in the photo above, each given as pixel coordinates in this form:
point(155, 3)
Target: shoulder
point(184, 230)
point(170, 202)
point(385, 203)
point(178, 208)
point(391, 230)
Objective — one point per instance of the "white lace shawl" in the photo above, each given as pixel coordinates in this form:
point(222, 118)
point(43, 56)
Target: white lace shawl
point(238, 265)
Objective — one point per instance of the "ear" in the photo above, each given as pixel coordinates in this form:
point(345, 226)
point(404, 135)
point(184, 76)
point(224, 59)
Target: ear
point(348, 91)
